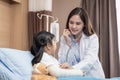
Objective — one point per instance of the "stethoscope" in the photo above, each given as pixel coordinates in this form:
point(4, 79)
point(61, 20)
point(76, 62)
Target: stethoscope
point(67, 55)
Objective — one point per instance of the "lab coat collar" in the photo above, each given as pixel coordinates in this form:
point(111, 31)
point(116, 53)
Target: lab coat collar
point(84, 36)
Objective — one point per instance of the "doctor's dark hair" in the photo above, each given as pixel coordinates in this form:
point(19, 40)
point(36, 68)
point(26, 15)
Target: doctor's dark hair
point(87, 29)
point(40, 40)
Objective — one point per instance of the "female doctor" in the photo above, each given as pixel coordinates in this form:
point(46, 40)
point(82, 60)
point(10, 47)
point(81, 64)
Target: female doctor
point(79, 45)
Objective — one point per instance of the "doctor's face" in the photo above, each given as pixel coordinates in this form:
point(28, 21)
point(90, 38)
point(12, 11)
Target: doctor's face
point(76, 25)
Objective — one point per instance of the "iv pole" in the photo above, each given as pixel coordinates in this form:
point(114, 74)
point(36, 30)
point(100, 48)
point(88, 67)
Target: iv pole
point(47, 17)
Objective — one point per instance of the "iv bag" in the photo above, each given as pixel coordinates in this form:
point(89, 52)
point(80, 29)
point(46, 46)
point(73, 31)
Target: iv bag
point(54, 29)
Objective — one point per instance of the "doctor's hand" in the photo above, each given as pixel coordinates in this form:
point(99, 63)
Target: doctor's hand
point(66, 66)
point(66, 34)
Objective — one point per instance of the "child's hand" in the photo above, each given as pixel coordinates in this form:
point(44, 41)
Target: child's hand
point(66, 66)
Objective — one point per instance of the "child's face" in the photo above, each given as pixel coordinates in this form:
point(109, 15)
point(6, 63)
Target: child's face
point(53, 49)
point(50, 49)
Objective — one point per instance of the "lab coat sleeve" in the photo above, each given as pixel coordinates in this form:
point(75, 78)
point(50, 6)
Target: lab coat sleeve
point(62, 50)
point(91, 54)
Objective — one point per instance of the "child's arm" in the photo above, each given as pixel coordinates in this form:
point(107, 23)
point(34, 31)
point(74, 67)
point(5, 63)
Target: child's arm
point(59, 72)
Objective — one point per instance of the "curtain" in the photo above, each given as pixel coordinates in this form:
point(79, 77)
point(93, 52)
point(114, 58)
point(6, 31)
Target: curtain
point(103, 16)
point(35, 24)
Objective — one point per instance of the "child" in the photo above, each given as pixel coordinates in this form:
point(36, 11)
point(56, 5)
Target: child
point(43, 48)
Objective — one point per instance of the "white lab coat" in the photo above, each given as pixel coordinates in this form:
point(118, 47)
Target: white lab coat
point(89, 61)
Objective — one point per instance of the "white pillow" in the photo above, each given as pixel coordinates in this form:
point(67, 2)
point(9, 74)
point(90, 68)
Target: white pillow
point(17, 61)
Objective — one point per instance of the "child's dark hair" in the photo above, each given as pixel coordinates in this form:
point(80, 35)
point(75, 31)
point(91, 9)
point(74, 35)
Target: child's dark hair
point(40, 40)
